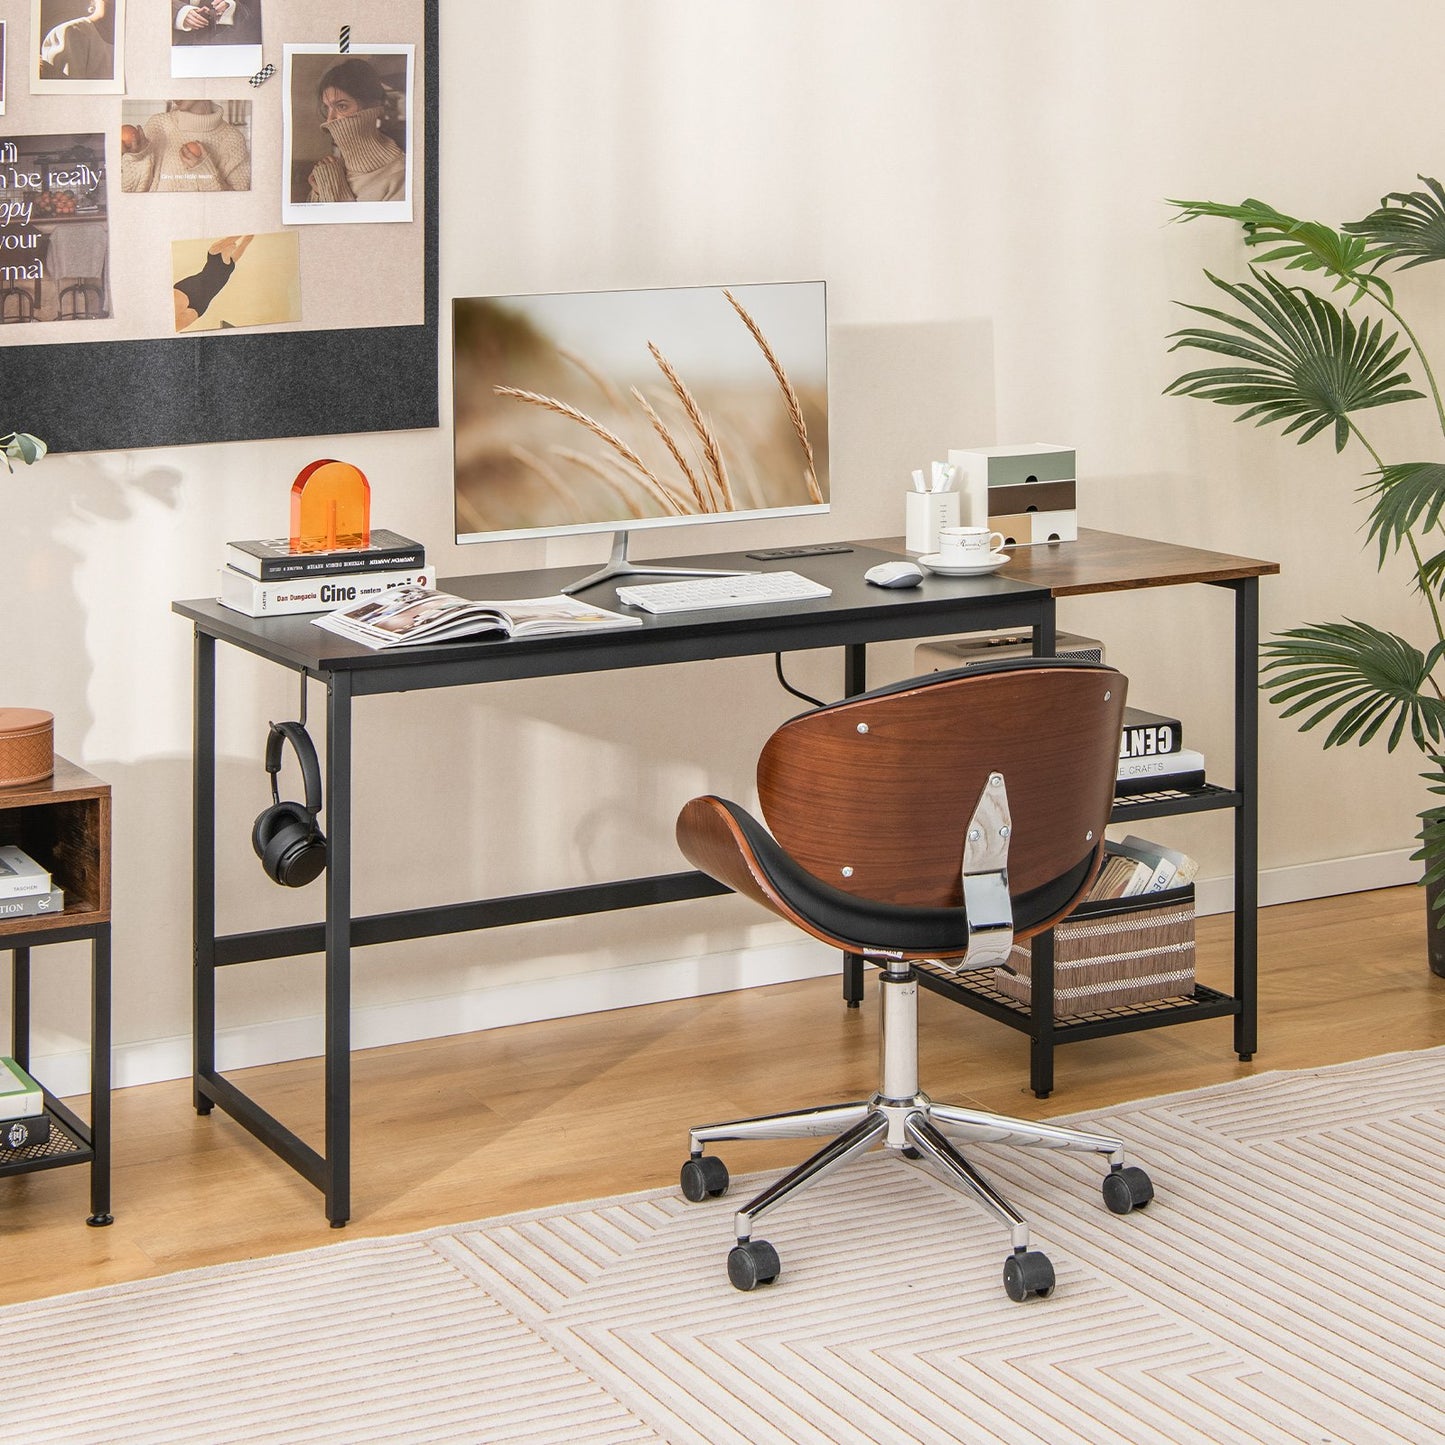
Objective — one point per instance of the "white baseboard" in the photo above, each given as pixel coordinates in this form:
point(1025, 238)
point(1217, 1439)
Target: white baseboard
point(150, 1061)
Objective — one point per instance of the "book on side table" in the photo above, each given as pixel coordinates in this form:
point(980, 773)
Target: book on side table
point(312, 594)
point(20, 1096)
point(415, 616)
point(20, 875)
point(271, 559)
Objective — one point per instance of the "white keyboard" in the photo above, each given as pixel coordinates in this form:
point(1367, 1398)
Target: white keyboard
point(694, 594)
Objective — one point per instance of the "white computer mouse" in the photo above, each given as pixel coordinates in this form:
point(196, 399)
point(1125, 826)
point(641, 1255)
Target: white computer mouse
point(894, 574)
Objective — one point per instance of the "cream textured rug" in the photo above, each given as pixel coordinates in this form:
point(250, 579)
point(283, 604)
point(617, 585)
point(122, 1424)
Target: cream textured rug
point(1287, 1285)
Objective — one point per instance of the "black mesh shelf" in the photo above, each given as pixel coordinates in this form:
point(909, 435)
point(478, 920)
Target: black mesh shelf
point(1161, 802)
point(66, 1145)
point(975, 990)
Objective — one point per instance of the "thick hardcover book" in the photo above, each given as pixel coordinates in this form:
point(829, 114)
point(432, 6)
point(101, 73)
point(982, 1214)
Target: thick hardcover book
point(1183, 769)
point(416, 616)
point(33, 903)
point(20, 874)
point(20, 1095)
point(23, 1133)
point(273, 559)
point(313, 594)
point(1146, 734)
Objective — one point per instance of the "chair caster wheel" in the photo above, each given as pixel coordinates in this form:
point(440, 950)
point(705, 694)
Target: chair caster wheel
point(1126, 1189)
point(1027, 1273)
point(704, 1178)
point(752, 1264)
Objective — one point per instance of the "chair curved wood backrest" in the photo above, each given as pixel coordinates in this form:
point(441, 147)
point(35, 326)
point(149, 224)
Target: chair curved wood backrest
point(872, 796)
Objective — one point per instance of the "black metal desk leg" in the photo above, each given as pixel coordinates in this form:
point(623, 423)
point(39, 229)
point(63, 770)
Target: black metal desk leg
point(1041, 1015)
point(855, 680)
point(203, 870)
point(100, 1077)
point(1246, 815)
point(20, 1006)
point(338, 949)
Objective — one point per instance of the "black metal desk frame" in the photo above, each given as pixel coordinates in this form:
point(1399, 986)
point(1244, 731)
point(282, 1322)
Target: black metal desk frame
point(854, 616)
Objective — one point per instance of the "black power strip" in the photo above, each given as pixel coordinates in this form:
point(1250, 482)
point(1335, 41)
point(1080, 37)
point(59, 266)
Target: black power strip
point(822, 549)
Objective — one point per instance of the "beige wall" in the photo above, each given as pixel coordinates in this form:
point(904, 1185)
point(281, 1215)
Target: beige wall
point(981, 184)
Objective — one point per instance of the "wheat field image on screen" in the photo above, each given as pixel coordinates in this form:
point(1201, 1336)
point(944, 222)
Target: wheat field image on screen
point(611, 409)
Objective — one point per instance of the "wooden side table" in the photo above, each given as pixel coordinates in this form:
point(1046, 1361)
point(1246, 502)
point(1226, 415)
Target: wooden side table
point(63, 822)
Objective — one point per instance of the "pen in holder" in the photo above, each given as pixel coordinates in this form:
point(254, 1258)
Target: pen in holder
point(926, 513)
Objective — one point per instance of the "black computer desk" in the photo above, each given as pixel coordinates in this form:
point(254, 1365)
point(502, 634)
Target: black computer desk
point(855, 615)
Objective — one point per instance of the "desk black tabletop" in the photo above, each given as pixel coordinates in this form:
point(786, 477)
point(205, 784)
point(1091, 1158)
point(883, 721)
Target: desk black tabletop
point(856, 612)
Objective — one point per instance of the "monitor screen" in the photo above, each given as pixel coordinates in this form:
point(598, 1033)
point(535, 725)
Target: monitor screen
point(606, 411)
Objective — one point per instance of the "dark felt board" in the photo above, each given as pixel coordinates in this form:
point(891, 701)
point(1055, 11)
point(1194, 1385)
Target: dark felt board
point(106, 396)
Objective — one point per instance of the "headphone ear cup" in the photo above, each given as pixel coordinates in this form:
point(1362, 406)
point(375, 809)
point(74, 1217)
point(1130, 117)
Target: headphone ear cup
point(293, 850)
point(266, 824)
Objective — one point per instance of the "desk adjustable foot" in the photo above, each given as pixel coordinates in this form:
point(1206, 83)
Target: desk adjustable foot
point(338, 1223)
point(99, 1221)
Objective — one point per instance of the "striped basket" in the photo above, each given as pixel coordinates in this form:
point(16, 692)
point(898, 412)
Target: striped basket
point(1114, 953)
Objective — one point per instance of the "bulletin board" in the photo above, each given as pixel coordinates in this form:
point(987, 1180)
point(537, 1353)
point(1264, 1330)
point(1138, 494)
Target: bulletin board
point(357, 351)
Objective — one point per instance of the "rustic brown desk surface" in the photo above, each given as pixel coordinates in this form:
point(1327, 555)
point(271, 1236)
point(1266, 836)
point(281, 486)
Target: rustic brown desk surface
point(1113, 562)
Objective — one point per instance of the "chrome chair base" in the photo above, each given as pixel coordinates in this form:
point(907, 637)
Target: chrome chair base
point(902, 1118)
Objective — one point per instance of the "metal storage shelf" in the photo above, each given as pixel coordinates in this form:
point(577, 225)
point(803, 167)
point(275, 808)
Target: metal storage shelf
point(1100, 562)
point(63, 822)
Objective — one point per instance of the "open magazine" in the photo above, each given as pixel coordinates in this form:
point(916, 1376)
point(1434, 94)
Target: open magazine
point(412, 616)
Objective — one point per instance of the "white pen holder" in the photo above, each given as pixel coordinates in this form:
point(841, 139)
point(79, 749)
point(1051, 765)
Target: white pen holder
point(926, 513)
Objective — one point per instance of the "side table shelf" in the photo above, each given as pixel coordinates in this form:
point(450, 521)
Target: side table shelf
point(63, 822)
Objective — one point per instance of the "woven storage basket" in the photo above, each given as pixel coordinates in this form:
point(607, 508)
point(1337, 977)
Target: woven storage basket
point(27, 745)
point(1112, 953)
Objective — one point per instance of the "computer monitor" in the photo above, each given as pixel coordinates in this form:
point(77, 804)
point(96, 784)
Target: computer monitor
point(616, 411)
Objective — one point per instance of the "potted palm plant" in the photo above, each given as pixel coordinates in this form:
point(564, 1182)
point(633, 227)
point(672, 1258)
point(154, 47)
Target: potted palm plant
point(1291, 356)
point(20, 446)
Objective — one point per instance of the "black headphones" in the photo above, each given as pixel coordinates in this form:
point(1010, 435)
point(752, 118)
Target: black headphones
point(286, 837)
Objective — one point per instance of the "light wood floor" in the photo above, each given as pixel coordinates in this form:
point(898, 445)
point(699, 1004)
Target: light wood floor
point(462, 1128)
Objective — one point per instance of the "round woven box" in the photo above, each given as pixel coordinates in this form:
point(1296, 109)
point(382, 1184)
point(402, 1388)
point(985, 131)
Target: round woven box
point(27, 745)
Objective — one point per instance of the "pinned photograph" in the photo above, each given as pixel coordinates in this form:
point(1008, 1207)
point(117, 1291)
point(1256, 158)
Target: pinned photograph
point(215, 37)
point(79, 46)
point(234, 281)
point(185, 145)
point(347, 135)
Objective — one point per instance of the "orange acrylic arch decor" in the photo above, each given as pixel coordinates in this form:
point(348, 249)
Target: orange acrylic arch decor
point(330, 508)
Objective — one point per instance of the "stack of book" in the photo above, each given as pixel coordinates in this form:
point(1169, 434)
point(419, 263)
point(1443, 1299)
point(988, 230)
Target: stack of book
point(269, 579)
point(1136, 866)
point(23, 1120)
point(1152, 755)
point(25, 887)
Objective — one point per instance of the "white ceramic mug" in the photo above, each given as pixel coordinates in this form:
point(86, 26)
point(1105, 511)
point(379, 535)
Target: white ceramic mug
point(960, 546)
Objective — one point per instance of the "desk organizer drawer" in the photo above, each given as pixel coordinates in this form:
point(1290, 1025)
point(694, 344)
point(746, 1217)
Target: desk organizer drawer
point(1114, 953)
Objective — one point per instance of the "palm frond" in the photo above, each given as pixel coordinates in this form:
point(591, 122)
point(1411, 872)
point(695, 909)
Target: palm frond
point(1407, 226)
point(1303, 361)
point(1432, 830)
point(1407, 495)
point(1301, 245)
point(1358, 678)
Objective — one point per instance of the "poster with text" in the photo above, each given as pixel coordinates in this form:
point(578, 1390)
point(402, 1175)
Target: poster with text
point(54, 228)
point(215, 37)
point(347, 134)
point(77, 47)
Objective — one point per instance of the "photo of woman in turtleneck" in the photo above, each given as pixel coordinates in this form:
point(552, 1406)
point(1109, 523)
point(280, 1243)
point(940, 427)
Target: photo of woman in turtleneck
point(184, 145)
point(367, 163)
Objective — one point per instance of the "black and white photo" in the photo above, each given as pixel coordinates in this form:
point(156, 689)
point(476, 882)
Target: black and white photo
point(348, 135)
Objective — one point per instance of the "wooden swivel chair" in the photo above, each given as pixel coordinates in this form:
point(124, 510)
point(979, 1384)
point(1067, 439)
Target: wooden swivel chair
point(943, 818)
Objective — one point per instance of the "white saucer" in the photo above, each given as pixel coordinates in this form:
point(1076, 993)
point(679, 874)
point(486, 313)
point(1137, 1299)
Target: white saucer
point(935, 563)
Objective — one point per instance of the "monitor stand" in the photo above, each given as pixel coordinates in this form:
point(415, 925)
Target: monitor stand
point(619, 566)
